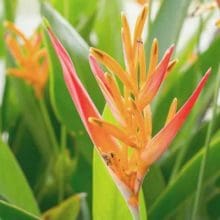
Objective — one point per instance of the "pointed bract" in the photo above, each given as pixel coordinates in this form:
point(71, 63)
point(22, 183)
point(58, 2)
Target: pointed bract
point(152, 85)
point(161, 141)
point(80, 97)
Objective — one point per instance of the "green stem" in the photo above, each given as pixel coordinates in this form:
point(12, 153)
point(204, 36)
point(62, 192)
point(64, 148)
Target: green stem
point(63, 138)
point(179, 160)
point(40, 187)
point(50, 131)
point(207, 142)
point(61, 167)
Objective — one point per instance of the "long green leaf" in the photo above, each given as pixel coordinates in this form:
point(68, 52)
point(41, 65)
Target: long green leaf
point(77, 11)
point(185, 183)
point(8, 211)
point(7, 12)
point(13, 185)
point(107, 27)
point(68, 209)
point(30, 110)
point(195, 143)
point(153, 185)
point(168, 22)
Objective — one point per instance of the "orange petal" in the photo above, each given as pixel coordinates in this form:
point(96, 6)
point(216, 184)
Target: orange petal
point(114, 67)
point(11, 27)
point(148, 122)
point(113, 131)
point(138, 120)
point(127, 44)
point(142, 63)
point(172, 65)
point(81, 99)
point(15, 50)
point(152, 86)
point(172, 111)
point(153, 58)
point(106, 90)
point(164, 137)
point(139, 26)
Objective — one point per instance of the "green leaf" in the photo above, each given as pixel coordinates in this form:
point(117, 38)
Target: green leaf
point(9, 211)
point(213, 205)
point(10, 9)
point(33, 117)
point(153, 185)
point(79, 51)
point(10, 111)
point(195, 142)
point(185, 183)
point(77, 11)
point(68, 209)
point(107, 27)
point(108, 202)
point(168, 22)
point(7, 12)
point(13, 185)
point(23, 147)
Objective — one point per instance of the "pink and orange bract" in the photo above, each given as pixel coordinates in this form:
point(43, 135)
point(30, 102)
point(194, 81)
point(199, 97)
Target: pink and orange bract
point(127, 147)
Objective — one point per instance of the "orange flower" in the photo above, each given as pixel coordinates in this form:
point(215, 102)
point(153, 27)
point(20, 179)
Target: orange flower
point(127, 146)
point(31, 59)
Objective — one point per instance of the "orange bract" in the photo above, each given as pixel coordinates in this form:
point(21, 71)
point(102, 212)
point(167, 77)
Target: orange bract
point(127, 146)
point(31, 59)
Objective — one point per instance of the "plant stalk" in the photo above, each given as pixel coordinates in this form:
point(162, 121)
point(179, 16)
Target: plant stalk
point(205, 157)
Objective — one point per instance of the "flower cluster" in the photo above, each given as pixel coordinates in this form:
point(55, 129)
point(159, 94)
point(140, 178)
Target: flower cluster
point(31, 59)
point(127, 146)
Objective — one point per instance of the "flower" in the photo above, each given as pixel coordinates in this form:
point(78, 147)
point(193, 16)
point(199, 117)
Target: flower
point(31, 59)
point(127, 146)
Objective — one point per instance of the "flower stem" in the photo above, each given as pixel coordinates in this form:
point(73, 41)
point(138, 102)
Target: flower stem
point(55, 147)
point(207, 142)
point(61, 165)
point(50, 131)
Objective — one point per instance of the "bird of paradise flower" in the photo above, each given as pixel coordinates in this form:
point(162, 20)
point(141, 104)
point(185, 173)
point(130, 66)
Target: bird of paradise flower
point(31, 59)
point(127, 147)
